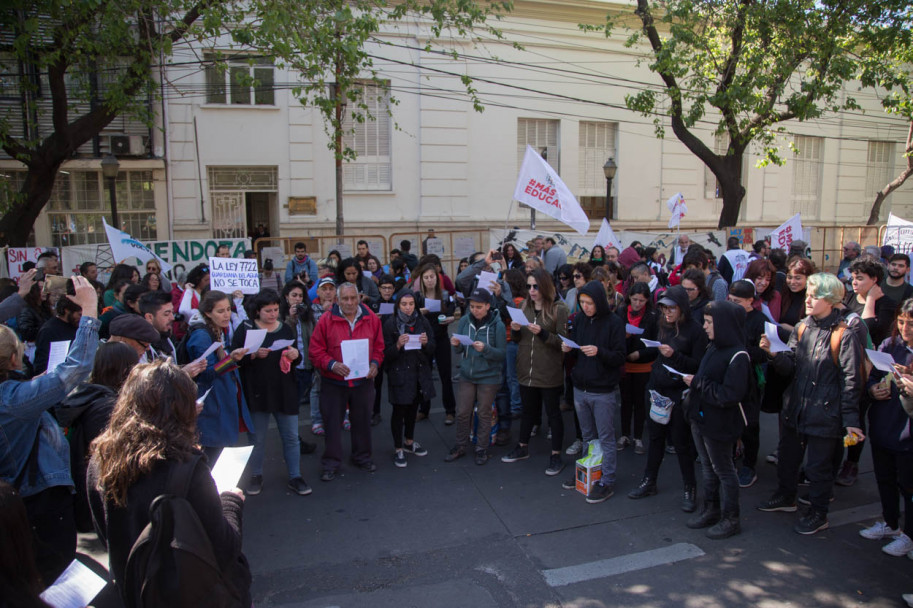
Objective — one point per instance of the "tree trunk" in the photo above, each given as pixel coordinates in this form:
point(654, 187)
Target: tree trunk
point(897, 182)
point(733, 191)
point(18, 221)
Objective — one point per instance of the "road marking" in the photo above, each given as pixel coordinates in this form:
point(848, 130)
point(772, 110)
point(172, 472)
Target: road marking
point(854, 515)
point(558, 577)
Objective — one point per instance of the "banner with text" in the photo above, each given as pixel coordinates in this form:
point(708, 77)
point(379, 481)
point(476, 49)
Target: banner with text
point(899, 234)
point(17, 256)
point(231, 274)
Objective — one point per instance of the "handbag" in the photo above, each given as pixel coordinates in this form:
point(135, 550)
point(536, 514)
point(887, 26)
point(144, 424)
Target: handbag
point(660, 408)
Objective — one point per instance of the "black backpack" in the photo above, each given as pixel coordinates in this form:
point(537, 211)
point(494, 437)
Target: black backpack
point(172, 563)
point(181, 349)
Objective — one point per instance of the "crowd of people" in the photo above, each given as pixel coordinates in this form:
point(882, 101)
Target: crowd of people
point(685, 351)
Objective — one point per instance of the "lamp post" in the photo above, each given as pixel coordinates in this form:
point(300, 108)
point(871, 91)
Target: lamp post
point(609, 169)
point(109, 168)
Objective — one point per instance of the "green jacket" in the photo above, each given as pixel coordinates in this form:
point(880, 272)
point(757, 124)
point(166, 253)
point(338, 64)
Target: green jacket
point(482, 367)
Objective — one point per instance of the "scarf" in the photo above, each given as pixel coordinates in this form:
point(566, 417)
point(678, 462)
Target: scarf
point(404, 321)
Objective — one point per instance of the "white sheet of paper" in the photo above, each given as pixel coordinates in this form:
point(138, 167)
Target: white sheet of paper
point(651, 343)
point(57, 353)
point(766, 310)
point(776, 344)
point(387, 309)
point(433, 305)
point(202, 399)
point(517, 316)
point(486, 279)
point(672, 370)
point(413, 343)
point(356, 357)
point(633, 329)
point(76, 587)
point(569, 342)
point(281, 344)
point(228, 468)
point(253, 339)
point(367, 273)
point(212, 348)
point(881, 361)
point(464, 340)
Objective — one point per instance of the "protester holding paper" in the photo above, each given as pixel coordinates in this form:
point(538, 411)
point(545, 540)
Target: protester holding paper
point(150, 442)
point(428, 286)
point(225, 412)
point(683, 343)
point(271, 389)
point(347, 321)
point(638, 313)
point(60, 328)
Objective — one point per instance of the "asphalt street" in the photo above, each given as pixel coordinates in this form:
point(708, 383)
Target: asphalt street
point(456, 534)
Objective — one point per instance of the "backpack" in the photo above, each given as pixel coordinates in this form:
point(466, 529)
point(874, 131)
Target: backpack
point(172, 562)
point(181, 349)
point(836, 336)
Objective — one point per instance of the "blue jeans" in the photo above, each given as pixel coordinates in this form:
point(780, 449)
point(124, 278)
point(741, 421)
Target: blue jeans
point(721, 482)
point(316, 417)
point(516, 405)
point(502, 401)
point(596, 412)
point(288, 432)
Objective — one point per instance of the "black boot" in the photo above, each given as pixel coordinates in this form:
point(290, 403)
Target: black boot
point(689, 499)
point(727, 526)
point(709, 515)
point(646, 488)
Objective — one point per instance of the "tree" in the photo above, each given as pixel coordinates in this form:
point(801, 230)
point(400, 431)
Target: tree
point(97, 60)
point(745, 67)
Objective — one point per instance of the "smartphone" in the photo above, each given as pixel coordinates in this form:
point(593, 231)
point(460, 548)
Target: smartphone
point(39, 275)
point(497, 256)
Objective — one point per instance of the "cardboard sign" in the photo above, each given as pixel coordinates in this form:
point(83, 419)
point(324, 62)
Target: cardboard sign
point(230, 274)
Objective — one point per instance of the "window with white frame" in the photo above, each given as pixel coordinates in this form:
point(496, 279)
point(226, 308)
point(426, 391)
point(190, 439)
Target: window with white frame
point(542, 135)
point(806, 195)
point(596, 146)
point(246, 81)
point(879, 169)
point(370, 138)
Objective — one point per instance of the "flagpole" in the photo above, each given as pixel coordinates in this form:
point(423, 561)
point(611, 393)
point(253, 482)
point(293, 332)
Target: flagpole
point(507, 222)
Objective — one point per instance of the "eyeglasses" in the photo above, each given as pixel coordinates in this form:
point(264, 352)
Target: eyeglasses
point(532, 286)
point(577, 275)
point(565, 278)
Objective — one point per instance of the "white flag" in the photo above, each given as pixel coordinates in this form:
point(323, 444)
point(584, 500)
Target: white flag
point(676, 205)
point(540, 187)
point(124, 246)
point(606, 236)
point(788, 232)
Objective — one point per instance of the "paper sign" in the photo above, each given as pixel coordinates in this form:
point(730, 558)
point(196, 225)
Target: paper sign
point(882, 361)
point(486, 279)
point(633, 329)
point(776, 344)
point(253, 339)
point(464, 246)
point(464, 340)
point(57, 353)
point(281, 344)
point(356, 357)
point(367, 273)
point(517, 316)
point(414, 342)
point(433, 305)
point(387, 309)
point(230, 274)
point(569, 342)
point(651, 343)
point(674, 371)
point(212, 348)
point(230, 465)
point(76, 587)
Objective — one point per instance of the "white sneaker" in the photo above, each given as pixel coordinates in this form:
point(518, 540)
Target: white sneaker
point(879, 531)
point(574, 448)
point(899, 547)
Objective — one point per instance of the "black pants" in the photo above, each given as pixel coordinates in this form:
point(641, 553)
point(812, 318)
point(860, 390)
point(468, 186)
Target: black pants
point(403, 418)
point(678, 432)
point(854, 452)
point(442, 358)
point(53, 523)
point(751, 444)
point(822, 459)
point(894, 476)
point(633, 404)
point(333, 401)
point(533, 399)
point(378, 385)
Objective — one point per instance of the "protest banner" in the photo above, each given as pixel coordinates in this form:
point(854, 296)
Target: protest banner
point(124, 246)
point(17, 256)
point(606, 236)
point(786, 233)
point(539, 186)
point(899, 234)
point(231, 274)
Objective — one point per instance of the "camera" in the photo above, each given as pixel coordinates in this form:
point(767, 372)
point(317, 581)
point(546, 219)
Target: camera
point(497, 255)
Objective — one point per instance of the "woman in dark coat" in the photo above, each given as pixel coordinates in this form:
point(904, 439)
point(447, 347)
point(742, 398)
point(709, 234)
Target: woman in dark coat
point(271, 389)
point(409, 371)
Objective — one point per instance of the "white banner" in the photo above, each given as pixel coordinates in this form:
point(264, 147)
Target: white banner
point(606, 236)
point(677, 207)
point(17, 256)
point(124, 246)
point(785, 234)
point(899, 234)
point(540, 187)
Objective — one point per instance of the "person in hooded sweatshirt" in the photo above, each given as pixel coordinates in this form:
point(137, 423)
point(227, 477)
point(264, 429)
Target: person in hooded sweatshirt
point(480, 372)
point(715, 409)
point(683, 343)
point(601, 336)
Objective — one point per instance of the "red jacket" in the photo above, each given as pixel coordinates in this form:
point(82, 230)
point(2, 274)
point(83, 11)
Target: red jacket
point(332, 329)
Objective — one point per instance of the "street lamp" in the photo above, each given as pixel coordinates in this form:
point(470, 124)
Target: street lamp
point(609, 168)
point(109, 168)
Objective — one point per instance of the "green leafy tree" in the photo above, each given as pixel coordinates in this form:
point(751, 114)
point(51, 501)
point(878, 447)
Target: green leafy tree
point(74, 66)
point(746, 67)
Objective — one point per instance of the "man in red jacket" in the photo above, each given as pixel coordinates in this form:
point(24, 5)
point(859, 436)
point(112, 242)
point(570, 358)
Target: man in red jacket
point(348, 320)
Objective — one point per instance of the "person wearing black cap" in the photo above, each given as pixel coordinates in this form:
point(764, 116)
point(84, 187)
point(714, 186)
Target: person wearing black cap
point(683, 343)
point(480, 372)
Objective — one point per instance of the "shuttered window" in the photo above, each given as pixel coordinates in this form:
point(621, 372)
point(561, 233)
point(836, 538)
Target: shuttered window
point(806, 196)
point(879, 170)
point(372, 168)
point(542, 135)
point(597, 145)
